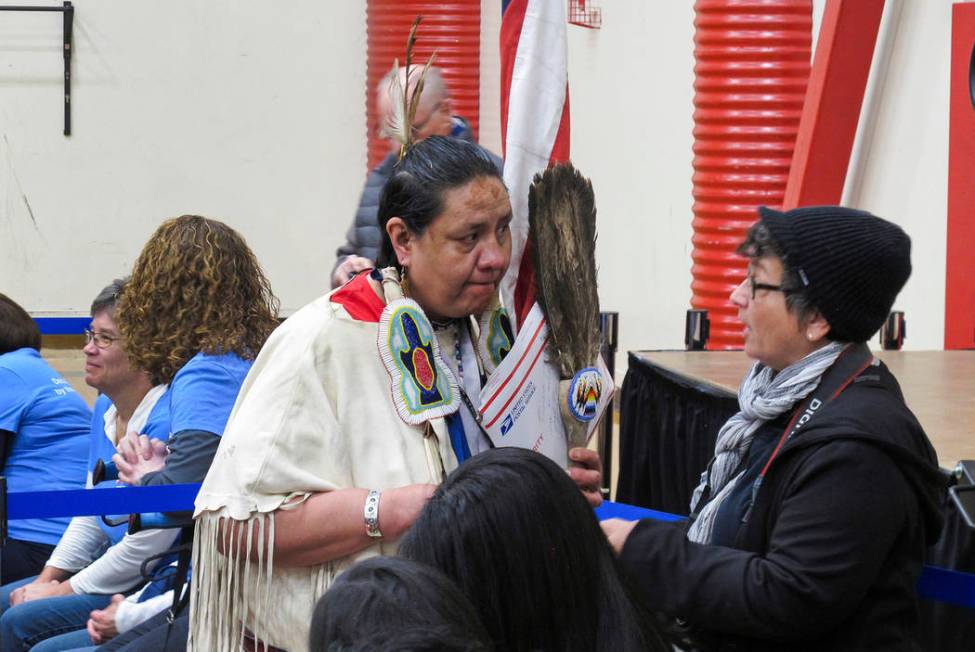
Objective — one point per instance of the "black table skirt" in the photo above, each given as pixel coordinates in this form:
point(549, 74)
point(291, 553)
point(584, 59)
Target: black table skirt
point(668, 426)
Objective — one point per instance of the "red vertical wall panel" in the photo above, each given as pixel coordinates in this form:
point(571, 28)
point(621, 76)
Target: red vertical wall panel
point(452, 29)
point(752, 62)
point(960, 271)
point(831, 111)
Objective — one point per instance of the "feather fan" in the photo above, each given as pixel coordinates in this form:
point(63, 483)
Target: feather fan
point(562, 223)
point(562, 226)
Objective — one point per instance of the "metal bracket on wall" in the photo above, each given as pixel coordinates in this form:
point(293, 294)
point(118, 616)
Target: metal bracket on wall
point(68, 12)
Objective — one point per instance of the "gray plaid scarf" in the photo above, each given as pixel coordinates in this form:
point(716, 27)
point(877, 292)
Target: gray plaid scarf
point(762, 396)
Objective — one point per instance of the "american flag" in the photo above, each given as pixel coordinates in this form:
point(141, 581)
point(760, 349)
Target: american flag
point(534, 122)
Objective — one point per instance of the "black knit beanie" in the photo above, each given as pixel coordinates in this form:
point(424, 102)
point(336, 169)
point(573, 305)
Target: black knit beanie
point(852, 264)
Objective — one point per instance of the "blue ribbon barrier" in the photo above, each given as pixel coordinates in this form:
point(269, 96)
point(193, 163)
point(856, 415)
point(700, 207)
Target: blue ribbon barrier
point(95, 502)
point(944, 585)
point(632, 513)
point(936, 583)
point(62, 325)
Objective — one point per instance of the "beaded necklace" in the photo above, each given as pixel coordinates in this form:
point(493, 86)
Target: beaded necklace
point(459, 356)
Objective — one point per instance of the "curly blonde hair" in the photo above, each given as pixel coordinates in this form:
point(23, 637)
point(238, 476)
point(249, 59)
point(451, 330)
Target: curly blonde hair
point(195, 287)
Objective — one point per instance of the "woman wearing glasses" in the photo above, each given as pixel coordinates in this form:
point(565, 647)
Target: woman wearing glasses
point(43, 438)
point(94, 561)
point(194, 314)
point(809, 526)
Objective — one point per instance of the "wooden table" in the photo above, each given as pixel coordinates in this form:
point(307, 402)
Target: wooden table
point(938, 386)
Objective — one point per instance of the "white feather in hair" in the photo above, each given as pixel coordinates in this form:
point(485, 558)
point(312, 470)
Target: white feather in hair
point(402, 100)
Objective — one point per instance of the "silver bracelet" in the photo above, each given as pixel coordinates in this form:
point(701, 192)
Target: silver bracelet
point(371, 513)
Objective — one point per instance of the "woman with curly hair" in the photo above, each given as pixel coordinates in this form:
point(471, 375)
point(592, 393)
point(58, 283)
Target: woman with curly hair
point(194, 314)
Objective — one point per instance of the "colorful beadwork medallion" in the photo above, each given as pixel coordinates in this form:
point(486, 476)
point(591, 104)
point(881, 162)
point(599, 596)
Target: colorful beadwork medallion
point(496, 338)
point(422, 386)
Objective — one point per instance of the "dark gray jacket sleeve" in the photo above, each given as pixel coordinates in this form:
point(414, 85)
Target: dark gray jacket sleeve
point(351, 246)
point(190, 455)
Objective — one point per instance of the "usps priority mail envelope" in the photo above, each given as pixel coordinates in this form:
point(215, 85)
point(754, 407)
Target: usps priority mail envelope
point(520, 403)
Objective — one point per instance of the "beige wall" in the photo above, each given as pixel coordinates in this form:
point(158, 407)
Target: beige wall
point(255, 116)
point(246, 111)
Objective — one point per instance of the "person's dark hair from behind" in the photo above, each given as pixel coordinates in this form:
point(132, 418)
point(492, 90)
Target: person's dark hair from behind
point(415, 190)
point(393, 604)
point(108, 297)
point(517, 536)
point(17, 329)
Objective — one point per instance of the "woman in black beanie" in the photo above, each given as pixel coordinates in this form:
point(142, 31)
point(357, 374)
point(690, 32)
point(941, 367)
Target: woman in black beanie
point(808, 528)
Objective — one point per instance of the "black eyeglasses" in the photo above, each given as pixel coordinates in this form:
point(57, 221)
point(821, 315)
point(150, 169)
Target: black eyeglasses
point(756, 286)
point(101, 340)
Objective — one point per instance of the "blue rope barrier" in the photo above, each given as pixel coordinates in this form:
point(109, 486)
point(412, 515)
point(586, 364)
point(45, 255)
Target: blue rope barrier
point(935, 583)
point(62, 325)
point(632, 513)
point(944, 585)
point(95, 502)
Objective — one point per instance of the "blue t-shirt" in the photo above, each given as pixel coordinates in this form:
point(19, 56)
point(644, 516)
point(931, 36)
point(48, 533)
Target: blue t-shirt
point(101, 447)
point(201, 396)
point(204, 391)
point(50, 423)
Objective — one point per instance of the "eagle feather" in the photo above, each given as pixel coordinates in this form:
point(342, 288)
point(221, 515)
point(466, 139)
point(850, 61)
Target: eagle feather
point(562, 224)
